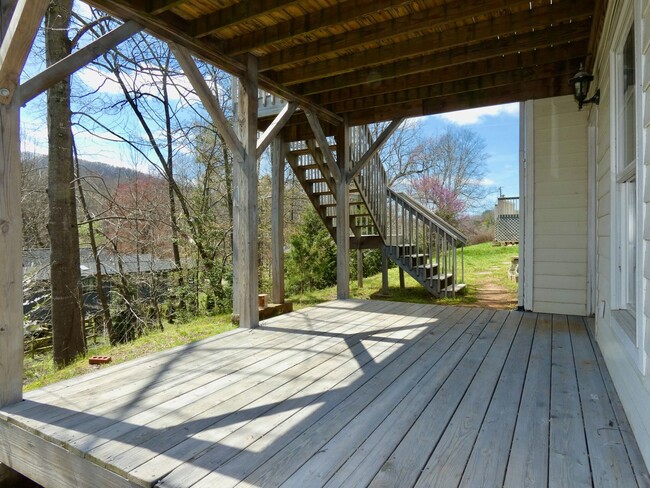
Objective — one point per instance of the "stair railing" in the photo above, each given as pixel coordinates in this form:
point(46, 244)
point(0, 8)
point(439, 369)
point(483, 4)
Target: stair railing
point(371, 181)
point(426, 242)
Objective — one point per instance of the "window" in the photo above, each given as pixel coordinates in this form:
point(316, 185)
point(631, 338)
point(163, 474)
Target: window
point(625, 210)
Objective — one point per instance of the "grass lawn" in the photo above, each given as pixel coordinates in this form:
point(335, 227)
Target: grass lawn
point(484, 263)
point(40, 370)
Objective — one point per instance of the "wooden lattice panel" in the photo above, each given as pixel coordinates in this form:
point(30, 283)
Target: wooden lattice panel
point(507, 228)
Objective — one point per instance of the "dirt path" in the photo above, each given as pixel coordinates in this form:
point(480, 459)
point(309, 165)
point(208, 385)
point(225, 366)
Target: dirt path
point(494, 296)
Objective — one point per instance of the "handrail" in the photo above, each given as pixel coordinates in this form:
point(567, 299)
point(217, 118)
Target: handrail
point(443, 224)
point(371, 180)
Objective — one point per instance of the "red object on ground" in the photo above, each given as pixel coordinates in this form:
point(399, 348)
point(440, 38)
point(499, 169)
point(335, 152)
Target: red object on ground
point(99, 359)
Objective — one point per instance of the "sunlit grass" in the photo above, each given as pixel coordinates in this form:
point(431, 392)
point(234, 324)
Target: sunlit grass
point(484, 263)
point(40, 369)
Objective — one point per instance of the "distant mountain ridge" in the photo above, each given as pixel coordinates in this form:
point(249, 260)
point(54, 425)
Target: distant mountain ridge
point(112, 175)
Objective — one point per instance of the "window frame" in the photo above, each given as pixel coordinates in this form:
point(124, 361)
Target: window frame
point(625, 190)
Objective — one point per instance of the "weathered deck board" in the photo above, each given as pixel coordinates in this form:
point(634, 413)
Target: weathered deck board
point(349, 393)
point(310, 429)
point(568, 457)
point(528, 462)
point(610, 463)
point(487, 463)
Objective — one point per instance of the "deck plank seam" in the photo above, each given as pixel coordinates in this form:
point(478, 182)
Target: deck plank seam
point(413, 319)
point(425, 374)
point(490, 351)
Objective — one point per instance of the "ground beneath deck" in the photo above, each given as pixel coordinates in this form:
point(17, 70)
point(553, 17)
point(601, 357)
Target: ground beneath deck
point(349, 393)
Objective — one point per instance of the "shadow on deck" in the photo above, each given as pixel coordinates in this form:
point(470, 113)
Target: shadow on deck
point(348, 393)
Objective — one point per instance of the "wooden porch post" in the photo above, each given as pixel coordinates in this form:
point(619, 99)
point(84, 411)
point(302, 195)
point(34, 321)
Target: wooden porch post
point(343, 213)
point(245, 203)
point(278, 152)
point(18, 25)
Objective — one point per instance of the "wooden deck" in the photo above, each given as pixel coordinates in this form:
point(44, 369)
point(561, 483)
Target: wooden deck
point(348, 393)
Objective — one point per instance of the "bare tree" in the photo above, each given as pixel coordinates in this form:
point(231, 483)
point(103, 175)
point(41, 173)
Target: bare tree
point(453, 162)
point(34, 201)
point(396, 153)
point(65, 275)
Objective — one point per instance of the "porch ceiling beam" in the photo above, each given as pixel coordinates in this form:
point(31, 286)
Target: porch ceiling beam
point(531, 60)
point(374, 149)
point(429, 44)
point(311, 22)
point(561, 70)
point(429, 20)
point(17, 42)
point(75, 61)
point(156, 7)
point(236, 13)
point(276, 126)
point(208, 99)
point(552, 87)
point(174, 29)
point(321, 139)
point(452, 57)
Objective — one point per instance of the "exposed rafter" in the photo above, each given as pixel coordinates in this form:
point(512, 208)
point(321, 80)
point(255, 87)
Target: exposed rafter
point(377, 60)
point(234, 14)
point(431, 20)
point(298, 27)
point(533, 61)
point(461, 52)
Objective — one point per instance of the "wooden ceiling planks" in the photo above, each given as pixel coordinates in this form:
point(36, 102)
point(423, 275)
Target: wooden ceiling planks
point(375, 60)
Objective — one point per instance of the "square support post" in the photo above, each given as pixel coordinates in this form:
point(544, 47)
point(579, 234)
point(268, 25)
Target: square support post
point(19, 22)
point(278, 154)
point(11, 276)
point(343, 213)
point(245, 280)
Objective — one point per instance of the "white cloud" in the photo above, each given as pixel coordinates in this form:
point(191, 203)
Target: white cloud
point(487, 182)
point(476, 115)
point(105, 82)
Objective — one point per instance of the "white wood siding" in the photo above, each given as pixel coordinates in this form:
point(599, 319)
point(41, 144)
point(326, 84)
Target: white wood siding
point(623, 359)
point(560, 207)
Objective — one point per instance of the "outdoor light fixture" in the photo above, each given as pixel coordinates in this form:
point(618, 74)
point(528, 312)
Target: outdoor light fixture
point(581, 82)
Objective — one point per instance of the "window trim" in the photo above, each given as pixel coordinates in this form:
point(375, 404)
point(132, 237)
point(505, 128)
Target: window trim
point(622, 316)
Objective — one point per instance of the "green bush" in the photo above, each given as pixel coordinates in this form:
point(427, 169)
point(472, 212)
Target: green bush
point(311, 262)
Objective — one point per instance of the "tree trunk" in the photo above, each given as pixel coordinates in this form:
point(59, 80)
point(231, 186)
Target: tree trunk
point(65, 276)
point(99, 275)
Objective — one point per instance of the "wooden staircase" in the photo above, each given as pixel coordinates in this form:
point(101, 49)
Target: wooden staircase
point(419, 242)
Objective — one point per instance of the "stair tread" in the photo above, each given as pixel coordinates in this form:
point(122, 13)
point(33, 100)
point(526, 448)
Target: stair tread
point(441, 277)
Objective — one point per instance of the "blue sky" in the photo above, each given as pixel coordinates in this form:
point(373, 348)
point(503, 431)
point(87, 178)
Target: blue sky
point(499, 128)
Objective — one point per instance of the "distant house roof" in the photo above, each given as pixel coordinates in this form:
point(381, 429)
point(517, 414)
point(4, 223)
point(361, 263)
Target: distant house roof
point(36, 263)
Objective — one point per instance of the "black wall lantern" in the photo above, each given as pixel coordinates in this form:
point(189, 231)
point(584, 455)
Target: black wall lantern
point(580, 83)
